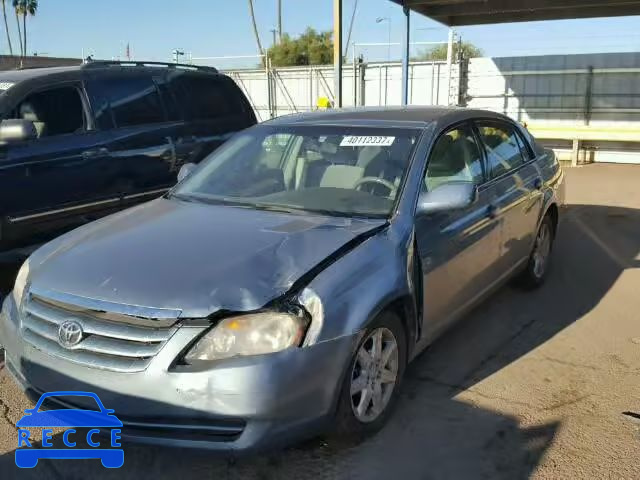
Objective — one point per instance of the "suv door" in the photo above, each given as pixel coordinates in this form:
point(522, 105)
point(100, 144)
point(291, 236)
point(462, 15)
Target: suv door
point(518, 185)
point(213, 109)
point(128, 104)
point(59, 179)
point(458, 249)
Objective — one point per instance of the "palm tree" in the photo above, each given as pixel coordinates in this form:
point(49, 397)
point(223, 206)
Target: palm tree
point(255, 27)
point(6, 26)
point(17, 6)
point(30, 7)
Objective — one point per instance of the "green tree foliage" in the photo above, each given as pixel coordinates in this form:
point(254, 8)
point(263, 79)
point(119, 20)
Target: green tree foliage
point(440, 52)
point(311, 48)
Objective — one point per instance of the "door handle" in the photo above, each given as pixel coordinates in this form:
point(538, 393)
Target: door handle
point(492, 211)
point(538, 183)
point(95, 152)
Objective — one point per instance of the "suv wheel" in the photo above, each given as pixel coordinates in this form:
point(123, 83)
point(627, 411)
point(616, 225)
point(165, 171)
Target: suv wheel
point(372, 381)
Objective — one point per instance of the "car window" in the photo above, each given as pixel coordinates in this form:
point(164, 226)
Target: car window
point(534, 148)
point(58, 111)
point(133, 100)
point(502, 146)
point(204, 97)
point(525, 148)
point(454, 158)
point(327, 169)
point(174, 110)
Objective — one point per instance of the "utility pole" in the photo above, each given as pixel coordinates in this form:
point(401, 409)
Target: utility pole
point(279, 21)
point(274, 32)
point(353, 17)
point(337, 52)
point(405, 55)
point(177, 54)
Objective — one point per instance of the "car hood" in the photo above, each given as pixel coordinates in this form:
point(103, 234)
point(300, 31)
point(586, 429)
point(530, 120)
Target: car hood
point(193, 258)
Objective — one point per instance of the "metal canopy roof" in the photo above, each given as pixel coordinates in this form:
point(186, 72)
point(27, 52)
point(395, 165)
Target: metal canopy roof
point(476, 12)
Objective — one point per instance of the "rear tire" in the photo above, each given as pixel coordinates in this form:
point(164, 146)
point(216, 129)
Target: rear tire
point(372, 381)
point(539, 262)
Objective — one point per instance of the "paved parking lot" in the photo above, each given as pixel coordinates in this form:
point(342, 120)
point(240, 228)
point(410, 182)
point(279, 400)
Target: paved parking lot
point(531, 385)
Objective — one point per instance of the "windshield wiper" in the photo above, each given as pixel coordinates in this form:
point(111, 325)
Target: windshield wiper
point(268, 207)
point(307, 211)
point(183, 198)
point(205, 200)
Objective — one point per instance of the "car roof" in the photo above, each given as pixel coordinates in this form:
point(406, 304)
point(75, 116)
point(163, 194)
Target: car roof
point(407, 117)
point(17, 76)
point(20, 75)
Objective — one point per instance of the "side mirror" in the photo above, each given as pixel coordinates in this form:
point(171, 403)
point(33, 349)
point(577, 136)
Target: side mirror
point(17, 130)
point(186, 170)
point(449, 196)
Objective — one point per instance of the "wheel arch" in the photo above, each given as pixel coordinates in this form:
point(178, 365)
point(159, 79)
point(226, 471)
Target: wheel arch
point(554, 213)
point(403, 307)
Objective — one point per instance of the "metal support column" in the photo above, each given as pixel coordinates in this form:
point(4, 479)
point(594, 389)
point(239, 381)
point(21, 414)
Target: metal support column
point(588, 96)
point(355, 75)
point(405, 56)
point(449, 64)
point(337, 52)
point(362, 68)
point(575, 153)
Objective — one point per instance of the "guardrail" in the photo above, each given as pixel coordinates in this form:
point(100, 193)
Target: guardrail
point(578, 134)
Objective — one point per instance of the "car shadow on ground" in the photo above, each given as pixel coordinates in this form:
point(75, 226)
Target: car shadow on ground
point(434, 433)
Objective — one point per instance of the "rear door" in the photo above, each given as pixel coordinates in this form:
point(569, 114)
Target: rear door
point(128, 104)
point(458, 249)
point(518, 184)
point(213, 109)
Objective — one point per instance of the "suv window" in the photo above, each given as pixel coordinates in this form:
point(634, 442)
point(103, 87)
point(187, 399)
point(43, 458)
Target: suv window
point(203, 97)
point(502, 146)
point(132, 101)
point(454, 158)
point(58, 111)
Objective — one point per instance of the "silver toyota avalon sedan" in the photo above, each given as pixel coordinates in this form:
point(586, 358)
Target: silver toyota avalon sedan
point(281, 288)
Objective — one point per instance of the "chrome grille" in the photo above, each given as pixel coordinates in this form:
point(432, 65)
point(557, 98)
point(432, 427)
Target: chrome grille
point(114, 342)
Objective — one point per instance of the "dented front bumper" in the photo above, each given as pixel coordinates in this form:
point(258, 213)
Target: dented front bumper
point(239, 404)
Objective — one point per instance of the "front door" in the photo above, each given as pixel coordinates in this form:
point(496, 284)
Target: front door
point(458, 249)
point(56, 180)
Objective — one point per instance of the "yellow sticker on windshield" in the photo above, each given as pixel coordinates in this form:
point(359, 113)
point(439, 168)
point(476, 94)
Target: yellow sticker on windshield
point(363, 141)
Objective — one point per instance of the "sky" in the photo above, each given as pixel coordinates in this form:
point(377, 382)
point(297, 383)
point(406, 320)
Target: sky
point(214, 28)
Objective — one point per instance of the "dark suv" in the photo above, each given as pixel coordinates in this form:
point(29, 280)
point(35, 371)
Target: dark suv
point(77, 143)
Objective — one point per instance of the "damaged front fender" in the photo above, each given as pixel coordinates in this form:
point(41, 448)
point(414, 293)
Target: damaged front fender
point(345, 297)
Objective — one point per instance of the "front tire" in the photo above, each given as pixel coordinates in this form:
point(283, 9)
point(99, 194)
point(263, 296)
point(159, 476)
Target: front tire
point(372, 382)
point(539, 262)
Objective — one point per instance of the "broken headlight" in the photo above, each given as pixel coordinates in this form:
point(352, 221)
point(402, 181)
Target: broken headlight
point(21, 282)
point(253, 334)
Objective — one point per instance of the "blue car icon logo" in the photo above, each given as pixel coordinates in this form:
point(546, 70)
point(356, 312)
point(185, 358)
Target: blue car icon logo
point(69, 419)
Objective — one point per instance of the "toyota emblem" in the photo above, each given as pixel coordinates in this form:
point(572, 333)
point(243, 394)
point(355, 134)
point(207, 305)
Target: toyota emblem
point(70, 334)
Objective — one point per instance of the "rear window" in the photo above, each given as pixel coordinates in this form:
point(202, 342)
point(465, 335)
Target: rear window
point(132, 101)
point(201, 97)
point(503, 147)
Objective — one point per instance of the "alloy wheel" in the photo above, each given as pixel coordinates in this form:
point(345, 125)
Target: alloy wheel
point(374, 375)
point(542, 250)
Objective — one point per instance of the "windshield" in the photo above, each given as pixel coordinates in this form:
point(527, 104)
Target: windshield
point(350, 171)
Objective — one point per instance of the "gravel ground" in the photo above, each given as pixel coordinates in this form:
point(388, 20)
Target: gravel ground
point(531, 385)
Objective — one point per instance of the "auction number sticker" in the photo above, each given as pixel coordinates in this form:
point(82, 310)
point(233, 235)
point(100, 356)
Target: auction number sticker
point(362, 141)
